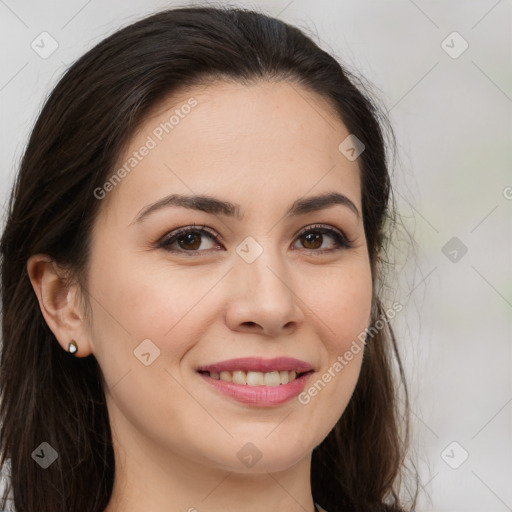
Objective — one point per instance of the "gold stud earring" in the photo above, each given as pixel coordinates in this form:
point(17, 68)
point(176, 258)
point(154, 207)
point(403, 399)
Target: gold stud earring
point(72, 347)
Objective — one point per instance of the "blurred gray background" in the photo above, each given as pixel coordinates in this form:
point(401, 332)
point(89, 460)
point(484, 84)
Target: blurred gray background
point(442, 70)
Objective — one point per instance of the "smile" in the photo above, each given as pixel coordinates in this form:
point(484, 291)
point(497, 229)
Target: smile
point(253, 378)
point(256, 393)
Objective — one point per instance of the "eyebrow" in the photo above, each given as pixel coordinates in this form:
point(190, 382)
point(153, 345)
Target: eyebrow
point(215, 206)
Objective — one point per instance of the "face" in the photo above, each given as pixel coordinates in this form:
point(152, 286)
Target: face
point(247, 281)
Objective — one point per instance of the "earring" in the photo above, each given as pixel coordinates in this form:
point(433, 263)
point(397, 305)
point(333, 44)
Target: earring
point(73, 347)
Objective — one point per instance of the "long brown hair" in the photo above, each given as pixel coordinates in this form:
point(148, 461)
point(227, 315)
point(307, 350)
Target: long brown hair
point(48, 395)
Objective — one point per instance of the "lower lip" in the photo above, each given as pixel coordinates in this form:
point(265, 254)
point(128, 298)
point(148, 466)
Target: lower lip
point(261, 396)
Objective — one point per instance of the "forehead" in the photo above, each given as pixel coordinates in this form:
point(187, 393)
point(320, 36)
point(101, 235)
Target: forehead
point(227, 138)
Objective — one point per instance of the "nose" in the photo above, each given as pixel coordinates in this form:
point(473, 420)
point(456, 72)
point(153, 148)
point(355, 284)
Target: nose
point(262, 298)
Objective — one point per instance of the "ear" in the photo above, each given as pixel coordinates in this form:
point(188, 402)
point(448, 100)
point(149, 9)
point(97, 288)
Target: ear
point(60, 305)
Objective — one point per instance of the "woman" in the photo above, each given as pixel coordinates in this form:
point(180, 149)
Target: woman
point(199, 220)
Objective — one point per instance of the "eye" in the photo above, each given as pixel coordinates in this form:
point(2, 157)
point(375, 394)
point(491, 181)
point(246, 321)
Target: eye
point(313, 237)
point(189, 240)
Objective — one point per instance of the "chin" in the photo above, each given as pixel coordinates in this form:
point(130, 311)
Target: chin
point(264, 456)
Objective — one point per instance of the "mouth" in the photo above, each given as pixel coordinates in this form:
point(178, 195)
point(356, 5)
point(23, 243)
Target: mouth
point(254, 378)
point(257, 389)
point(257, 381)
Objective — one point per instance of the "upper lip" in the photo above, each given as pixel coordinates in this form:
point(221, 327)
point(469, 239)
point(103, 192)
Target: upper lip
point(258, 364)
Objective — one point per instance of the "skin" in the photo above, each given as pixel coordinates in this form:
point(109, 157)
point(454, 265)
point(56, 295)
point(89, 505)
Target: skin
point(175, 438)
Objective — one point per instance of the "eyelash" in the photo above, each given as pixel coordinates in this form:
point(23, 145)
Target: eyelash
point(342, 241)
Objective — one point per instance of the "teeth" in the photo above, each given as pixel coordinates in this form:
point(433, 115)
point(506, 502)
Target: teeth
point(272, 379)
point(225, 376)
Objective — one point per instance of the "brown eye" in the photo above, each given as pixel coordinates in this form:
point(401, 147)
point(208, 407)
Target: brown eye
point(187, 239)
point(312, 241)
point(313, 237)
point(190, 241)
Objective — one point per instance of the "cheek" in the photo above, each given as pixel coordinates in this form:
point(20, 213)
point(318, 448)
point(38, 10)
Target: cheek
point(136, 301)
point(340, 311)
point(343, 306)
